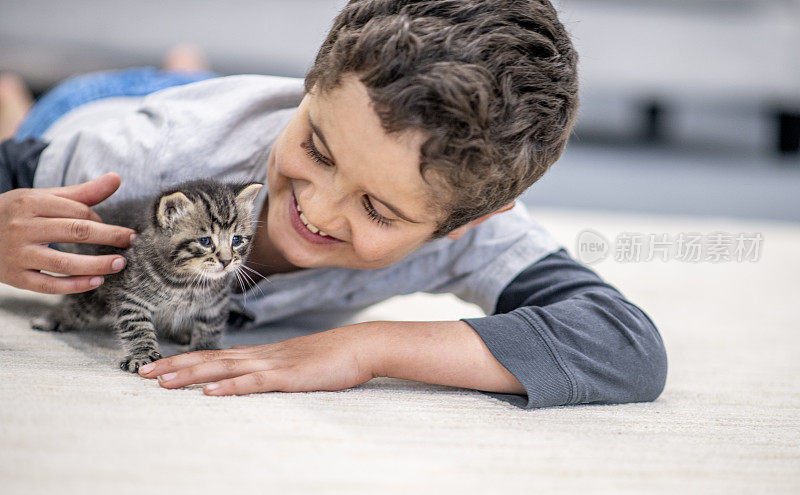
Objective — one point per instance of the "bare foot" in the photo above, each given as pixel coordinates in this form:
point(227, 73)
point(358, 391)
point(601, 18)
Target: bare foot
point(185, 58)
point(15, 102)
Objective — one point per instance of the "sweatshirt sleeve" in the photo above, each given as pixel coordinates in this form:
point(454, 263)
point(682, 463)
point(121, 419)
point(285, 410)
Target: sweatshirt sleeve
point(18, 161)
point(571, 338)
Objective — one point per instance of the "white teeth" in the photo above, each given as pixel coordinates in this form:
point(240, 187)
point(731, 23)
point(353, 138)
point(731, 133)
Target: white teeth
point(308, 225)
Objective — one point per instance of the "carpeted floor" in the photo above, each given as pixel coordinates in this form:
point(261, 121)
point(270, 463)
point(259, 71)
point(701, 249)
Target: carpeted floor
point(727, 422)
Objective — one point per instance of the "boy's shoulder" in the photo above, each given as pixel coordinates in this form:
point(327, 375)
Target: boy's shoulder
point(202, 101)
point(479, 265)
point(506, 230)
point(284, 91)
point(496, 250)
point(220, 128)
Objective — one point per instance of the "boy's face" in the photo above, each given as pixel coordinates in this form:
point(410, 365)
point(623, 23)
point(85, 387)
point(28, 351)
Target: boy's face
point(351, 181)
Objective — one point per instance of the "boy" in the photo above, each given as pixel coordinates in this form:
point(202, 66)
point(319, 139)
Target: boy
point(393, 170)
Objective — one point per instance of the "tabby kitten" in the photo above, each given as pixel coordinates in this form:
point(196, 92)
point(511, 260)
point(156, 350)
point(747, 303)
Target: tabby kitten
point(177, 281)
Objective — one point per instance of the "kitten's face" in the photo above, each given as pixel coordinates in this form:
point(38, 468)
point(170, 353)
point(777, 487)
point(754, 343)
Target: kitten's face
point(210, 231)
point(209, 249)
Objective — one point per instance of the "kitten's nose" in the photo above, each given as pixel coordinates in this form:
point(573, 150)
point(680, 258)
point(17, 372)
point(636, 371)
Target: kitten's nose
point(225, 262)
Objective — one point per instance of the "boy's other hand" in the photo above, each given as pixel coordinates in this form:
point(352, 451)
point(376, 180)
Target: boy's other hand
point(332, 360)
point(31, 219)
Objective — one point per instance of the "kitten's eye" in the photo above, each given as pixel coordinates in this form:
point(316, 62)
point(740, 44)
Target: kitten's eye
point(204, 241)
point(236, 240)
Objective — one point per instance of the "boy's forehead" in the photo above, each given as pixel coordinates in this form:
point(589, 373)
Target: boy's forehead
point(387, 165)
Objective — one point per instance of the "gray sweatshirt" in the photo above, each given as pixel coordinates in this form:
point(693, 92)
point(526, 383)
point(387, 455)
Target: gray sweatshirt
point(564, 333)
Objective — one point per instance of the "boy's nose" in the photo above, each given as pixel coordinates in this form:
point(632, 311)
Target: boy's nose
point(324, 212)
point(328, 222)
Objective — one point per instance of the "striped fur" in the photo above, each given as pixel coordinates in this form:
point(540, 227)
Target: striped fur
point(179, 272)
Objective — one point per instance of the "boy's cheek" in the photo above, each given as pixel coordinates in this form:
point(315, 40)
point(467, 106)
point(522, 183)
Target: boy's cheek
point(379, 251)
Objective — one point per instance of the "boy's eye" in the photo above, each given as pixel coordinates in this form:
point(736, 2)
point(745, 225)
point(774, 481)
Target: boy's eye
point(236, 240)
point(317, 157)
point(204, 241)
point(373, 214)
point(314, 153)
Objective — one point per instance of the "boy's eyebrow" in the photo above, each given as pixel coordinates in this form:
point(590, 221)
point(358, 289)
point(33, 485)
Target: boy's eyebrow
point(384, 203)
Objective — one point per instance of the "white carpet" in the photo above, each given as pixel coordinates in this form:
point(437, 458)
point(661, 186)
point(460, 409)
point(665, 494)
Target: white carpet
point(727, 422)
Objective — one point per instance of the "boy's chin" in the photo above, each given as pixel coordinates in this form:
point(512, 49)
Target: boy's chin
point(310, 260)
point(296, 254)
point(305, 261)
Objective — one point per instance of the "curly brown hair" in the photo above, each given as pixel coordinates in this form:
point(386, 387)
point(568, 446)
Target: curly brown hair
point(493, 84)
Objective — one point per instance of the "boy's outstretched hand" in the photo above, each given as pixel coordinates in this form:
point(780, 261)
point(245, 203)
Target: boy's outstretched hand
point(30, 219)
point(330, 360)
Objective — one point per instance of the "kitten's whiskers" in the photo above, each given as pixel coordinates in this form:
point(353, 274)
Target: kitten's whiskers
point(195, 280)
point(259, 264)
point(241, 285)
point(252, 282)
point(257, 273)
point(206, 279)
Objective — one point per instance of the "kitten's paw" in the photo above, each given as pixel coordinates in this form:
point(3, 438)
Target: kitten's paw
point(46, 324)
point(133, 363)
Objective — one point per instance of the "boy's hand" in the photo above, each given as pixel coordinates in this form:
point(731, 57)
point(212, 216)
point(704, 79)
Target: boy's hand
point(30, 219)
point(331, 360)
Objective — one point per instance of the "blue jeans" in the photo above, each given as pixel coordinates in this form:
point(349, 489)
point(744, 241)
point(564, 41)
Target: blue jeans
point(77, 90)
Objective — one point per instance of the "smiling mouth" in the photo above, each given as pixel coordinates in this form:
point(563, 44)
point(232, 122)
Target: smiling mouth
point(305, 228)
point(308, 224)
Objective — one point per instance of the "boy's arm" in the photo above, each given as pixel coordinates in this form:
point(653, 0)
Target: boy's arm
point(560, 336)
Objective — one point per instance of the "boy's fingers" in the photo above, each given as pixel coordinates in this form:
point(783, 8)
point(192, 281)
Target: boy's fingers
point(58, 207)
point(92, 192)
point(209, 372)
point(179, 361)
point(47, 284)
point(74, 264)
point(52, 230)
point(253, 383)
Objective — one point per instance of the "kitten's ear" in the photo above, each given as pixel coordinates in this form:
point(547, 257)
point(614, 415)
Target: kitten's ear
point(247, 196)
point(172, 207)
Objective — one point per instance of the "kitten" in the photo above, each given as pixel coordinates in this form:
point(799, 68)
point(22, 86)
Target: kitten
point(179, 271)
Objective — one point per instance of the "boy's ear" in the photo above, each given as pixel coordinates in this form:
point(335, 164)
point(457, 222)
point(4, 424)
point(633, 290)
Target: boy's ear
point(459, 232)
point(171, 208)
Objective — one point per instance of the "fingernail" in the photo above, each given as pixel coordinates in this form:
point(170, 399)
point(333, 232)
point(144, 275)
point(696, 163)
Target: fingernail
point(167, 377)
point(212, 386)
point(133, 237)
point(118, 264)
point(95, 281)
point(147, 368)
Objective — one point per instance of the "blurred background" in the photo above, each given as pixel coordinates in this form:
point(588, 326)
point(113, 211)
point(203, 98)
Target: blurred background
point(688, 106)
